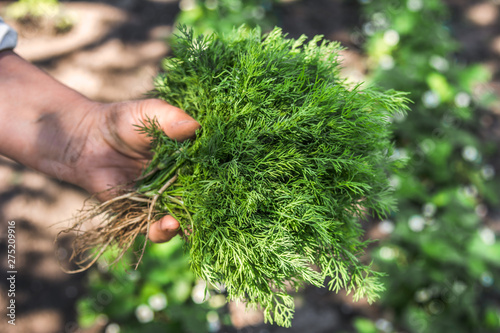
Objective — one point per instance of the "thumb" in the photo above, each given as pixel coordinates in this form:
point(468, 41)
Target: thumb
point(123, 117)
point(176, 123)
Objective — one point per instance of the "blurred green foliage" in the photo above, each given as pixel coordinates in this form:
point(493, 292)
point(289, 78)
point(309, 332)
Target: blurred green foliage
point(440, 257)
point(23, 9)
point(37, 11)
point(161, 295)
point(221, 16)
point(363, 325)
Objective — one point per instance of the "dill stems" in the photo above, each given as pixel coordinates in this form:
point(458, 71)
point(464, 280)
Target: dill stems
point(288, 158)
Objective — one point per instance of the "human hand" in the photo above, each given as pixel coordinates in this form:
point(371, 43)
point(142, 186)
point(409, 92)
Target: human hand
point(108, 151)
point(51, 128)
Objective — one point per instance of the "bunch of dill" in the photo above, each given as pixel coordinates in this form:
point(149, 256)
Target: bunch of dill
point(288, 158)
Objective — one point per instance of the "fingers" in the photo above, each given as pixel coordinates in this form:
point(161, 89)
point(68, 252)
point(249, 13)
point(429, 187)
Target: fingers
point(164, 229)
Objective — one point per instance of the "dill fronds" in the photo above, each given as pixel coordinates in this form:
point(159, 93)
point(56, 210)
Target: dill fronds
point(288, 158)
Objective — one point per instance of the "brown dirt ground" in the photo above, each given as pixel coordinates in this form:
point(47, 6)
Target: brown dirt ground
point(111, 54)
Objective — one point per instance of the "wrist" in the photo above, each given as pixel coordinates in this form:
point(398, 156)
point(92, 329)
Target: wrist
point(37, 115)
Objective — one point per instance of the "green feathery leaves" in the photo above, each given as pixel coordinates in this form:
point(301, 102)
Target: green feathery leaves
point(288, 158)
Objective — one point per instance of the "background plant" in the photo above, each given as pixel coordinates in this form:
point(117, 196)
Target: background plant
point(26, 9)
point(441, 257)
point(163, 294)
point(221, 16)
point(36, 12)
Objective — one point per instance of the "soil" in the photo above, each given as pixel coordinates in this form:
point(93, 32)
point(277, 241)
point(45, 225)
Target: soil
point(111, 54)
